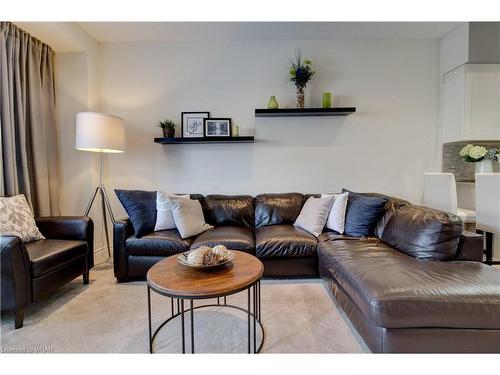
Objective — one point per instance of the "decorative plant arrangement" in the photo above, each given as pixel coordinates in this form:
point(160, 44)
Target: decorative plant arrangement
point(480, 155)
point(168, 127)
point(473, 154)
point(300, 74)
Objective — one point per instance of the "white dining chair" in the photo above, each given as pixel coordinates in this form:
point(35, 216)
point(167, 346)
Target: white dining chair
point(440, 192)
point(488, 209)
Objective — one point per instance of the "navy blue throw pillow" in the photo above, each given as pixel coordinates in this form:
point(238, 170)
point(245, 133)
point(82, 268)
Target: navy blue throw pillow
point(363, 213)
point(141, 209)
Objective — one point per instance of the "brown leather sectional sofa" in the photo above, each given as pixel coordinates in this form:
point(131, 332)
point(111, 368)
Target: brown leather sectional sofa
point(418, 286)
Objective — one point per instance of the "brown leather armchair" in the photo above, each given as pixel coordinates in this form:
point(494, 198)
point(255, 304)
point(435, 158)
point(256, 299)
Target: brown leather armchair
point(31, 271)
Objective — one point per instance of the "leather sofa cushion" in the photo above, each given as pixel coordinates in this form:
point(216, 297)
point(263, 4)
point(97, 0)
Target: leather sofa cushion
point(284, 241)
point(229, 210)
point(233, 237)
point(395, 290)
point(162, 243)
point(329, 234)
point(272, 209)
point(47, 255)
point(423, 232)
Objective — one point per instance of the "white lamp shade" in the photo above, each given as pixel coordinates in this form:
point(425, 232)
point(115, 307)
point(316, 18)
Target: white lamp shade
point(99, 132)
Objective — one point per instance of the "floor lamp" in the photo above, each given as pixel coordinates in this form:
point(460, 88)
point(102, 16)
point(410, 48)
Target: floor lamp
point(102, 133)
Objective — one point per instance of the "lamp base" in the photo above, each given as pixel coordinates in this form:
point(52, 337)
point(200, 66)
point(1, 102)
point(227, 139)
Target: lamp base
point(104, 206)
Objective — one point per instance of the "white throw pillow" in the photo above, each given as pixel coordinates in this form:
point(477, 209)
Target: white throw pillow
point(188, 216)
point(336, 218)
point(16, 219)
point(164, 218)
point(314, 214)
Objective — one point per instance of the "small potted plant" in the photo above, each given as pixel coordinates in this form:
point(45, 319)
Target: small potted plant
point(479, 155)
point(168, 127)
point(300, 74)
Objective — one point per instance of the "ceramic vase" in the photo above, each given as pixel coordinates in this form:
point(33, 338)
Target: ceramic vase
point(272, 103)
point(327, 100)
point(484, 166)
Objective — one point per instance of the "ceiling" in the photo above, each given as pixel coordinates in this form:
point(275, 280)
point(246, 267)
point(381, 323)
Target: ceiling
point(112, 32)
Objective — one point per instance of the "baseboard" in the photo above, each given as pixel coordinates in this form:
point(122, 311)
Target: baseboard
point(103, 249)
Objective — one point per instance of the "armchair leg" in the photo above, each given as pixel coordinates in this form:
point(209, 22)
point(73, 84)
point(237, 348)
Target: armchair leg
point(86, 278)
point(18, 318)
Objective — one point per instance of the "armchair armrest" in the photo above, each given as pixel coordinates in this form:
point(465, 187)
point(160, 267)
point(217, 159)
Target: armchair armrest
point(65, 227)
point(470, 247)
point(15, 283)
point(79, 228)
point(121, 231)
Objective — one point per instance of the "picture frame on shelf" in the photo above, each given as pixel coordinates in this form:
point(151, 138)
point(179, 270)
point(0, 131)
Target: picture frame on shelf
point(192, 124)
point(217, 127)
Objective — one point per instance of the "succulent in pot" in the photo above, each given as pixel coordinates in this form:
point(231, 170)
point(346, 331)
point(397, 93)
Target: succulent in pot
point(168, 127)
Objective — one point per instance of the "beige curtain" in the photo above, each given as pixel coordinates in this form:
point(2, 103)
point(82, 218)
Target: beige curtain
point(28, 138)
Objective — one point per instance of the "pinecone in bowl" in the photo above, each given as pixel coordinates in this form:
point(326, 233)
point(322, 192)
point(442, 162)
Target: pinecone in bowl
point(222, 252)
point(211, 259)
point(195, 257)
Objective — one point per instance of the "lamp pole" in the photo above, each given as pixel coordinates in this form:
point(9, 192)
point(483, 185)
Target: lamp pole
point(104, 204)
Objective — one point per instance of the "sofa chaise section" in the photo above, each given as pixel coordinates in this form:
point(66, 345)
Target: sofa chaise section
point(400, 303)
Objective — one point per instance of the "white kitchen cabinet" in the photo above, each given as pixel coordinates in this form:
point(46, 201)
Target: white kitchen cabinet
point(471, 103)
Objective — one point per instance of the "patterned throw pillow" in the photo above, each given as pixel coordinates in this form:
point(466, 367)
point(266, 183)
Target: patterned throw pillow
point(16, 219)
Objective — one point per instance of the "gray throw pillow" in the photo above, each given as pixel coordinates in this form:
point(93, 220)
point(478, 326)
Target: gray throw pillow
point(188, 216)
point(314, 213)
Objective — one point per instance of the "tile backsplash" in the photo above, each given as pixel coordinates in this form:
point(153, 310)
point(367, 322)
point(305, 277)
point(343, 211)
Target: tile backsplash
point(453, 162)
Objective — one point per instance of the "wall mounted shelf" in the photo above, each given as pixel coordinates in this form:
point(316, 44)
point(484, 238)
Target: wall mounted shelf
point(177, 141)
point(304, 112)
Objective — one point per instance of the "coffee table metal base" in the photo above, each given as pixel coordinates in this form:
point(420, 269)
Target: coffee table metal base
point(253, 300)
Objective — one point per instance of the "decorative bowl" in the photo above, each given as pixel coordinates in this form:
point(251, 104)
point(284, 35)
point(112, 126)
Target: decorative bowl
point(182, 259)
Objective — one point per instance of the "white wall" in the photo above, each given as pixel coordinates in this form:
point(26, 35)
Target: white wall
point(386, 146)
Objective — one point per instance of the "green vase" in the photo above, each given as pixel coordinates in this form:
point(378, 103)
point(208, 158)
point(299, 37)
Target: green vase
point(272, 103)
point(327, 100)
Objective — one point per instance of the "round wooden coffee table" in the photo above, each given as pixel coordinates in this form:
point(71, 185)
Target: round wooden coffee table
point(181, 283)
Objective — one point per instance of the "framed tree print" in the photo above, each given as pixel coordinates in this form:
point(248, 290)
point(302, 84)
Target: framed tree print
point(192, 124)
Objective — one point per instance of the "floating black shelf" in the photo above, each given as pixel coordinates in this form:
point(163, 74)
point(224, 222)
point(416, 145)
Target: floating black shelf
point(302, 112)
point(201, 140)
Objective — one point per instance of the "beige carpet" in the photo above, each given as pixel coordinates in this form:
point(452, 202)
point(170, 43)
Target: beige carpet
point(107, 317)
